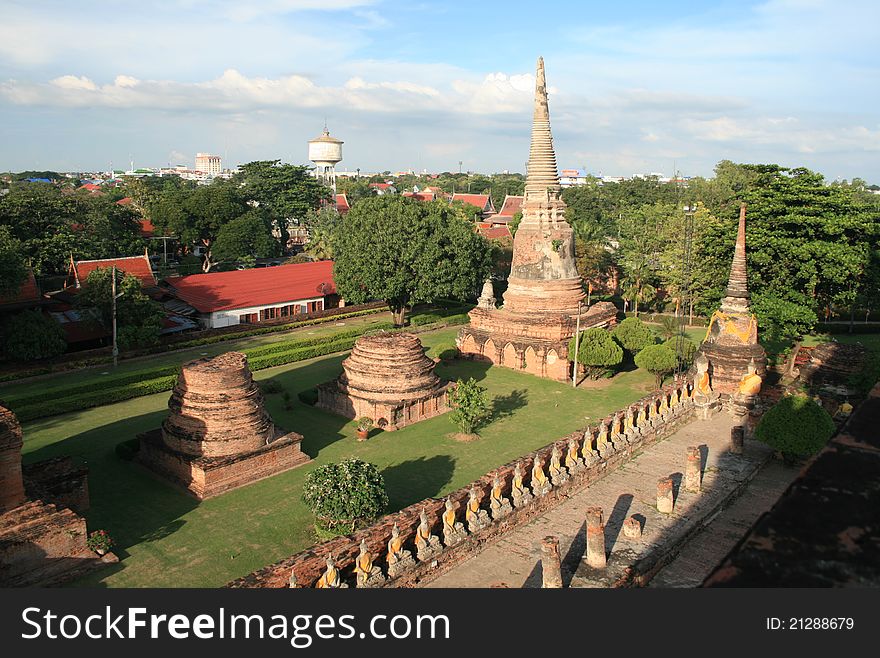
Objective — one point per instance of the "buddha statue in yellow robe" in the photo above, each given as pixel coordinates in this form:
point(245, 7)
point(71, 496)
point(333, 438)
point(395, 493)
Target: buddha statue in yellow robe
point(540, 483)
point(453, 531)
point(366, 574)
point(476, 518)
point(499, 505)
point(518, 491)
point(751, 382)
point(330, 578)
point(427, 544)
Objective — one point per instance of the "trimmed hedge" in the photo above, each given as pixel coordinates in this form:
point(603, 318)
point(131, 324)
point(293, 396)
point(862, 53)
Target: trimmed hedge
point(157, 380)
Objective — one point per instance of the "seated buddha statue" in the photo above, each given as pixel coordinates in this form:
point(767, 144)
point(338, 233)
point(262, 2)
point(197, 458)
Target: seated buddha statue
point(703, 393)
point(573, 461)
point(427, 544)
point(398, 558)
point(540, 484)
point(330, 578)
point(558, 474)
point(518, 491)
point(750, 384)
point(453, 530)
point(366, 573)
point(499, 505)
point(476, 518)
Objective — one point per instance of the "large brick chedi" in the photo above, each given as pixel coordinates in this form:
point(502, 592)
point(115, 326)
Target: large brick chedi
point(387, 378)
point(732, 338)
point(218, 435)
point(544, 294)
point(42, 541)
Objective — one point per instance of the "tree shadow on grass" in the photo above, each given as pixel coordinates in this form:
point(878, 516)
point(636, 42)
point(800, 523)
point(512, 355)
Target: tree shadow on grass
point(503, 406)
point(465, 369)
point(416, 479)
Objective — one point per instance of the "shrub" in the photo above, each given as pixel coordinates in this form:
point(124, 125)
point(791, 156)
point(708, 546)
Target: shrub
point(796, 426)
point(469, 405)
point(597, 352)
point(99, 541)
point(683, 348)
point(633, 335)
point(30, 335)
point(345, 496)
point(657, 359)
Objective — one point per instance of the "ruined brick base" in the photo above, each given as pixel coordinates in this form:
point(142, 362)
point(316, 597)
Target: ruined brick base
point(60, 480)
point(205, 477)
point(728, 364)
point(386, 415)
point(41, 544)
point(533, 344)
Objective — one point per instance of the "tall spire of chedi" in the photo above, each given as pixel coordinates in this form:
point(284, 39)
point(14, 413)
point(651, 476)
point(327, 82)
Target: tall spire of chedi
point(736, 297)
point(543, 276)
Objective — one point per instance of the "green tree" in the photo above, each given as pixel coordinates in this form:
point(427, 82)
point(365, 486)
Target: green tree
point(41, 218)
point(514, 222)
point(404, 252)
point(323, 226)
point(597, 352)
point(13, 270)
point(247, 236)
point(639, 252)
point(105, 229)
point(138, 318)
point(344, 496)
point(286, 191)
point(796, 426)
point(657, 359)
point(633, 335)
point(196, 216)
point(469, 405)
point(31, 335)
point(683, 348)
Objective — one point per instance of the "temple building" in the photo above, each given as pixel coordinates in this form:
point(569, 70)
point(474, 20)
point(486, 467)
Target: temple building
point(532, 329)
point(389, 379)
point(731, 341)
point(218, 435)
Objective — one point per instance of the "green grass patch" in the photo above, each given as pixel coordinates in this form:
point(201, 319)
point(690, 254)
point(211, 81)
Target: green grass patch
point(167, 539)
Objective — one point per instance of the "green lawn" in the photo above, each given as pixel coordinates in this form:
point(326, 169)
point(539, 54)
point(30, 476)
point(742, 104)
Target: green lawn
point(166, 539)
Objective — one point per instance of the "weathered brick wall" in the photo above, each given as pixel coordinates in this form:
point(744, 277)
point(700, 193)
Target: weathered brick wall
point(309, 564)
point(60, 479)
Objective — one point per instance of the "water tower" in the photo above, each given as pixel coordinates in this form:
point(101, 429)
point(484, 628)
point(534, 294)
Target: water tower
point(325, 151)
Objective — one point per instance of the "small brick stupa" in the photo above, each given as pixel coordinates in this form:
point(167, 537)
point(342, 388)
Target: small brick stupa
point(42, 540)
point(218, 435)
point(532, 330)
point(387, 378)
point(732, 338)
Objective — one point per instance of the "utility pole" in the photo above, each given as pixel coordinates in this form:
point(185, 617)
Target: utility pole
point(577, 344)
point(114, 297)
point(459, 166)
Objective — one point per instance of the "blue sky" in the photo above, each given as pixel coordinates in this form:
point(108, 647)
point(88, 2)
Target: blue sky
point(635, 86)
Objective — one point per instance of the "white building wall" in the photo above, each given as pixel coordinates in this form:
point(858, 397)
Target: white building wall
point(229, 317)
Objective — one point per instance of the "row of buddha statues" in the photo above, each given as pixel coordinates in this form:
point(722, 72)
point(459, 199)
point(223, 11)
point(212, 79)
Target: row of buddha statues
point(611, 434)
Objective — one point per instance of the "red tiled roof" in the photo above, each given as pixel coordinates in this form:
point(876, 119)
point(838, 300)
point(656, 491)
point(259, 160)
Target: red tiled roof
point(91, 187)
point(138, 266)
point(342, 203)
point(262, 286)
point(27, 293)
point(147, 228)
point(511, 206)
point(124, 201)
point(495, 232)
point(481, 201)
point(420, 196)
point(381, 186)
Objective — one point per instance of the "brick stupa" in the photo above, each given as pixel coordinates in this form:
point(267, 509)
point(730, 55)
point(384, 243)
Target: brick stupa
point(218, 435)
point(732, 337)
point(387, 378)
point(42, 539)
point(532, 330)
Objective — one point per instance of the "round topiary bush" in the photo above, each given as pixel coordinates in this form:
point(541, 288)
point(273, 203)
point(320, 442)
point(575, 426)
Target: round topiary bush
point(658, 360)
point(795, 426)
point(633, 335)
point(597, 352)
point(344, 496)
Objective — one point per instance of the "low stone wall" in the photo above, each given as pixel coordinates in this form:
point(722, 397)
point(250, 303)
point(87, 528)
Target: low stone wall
point(599, 448)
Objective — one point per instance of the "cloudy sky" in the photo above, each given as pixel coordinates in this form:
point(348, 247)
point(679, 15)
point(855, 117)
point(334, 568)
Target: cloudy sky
point(635, 86)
